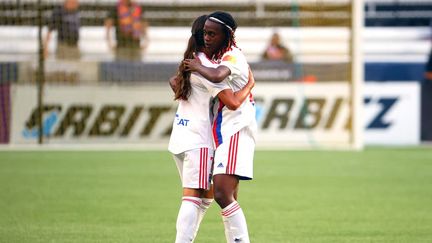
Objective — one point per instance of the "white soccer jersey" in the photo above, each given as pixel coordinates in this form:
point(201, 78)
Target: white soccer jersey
point(193, 119)
point(228, 122)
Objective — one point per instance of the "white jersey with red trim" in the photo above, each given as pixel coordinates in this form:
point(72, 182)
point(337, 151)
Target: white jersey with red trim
point(192, 123)
point(228, 122)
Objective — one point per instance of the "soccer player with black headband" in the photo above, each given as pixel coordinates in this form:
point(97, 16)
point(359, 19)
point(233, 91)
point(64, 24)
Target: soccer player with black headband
point(233, 130)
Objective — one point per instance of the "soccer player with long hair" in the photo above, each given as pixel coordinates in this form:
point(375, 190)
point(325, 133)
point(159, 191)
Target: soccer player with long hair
point(191, 138)
point(233, 130)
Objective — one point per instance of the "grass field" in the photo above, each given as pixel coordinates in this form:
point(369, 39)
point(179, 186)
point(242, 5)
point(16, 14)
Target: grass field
point(378, 195)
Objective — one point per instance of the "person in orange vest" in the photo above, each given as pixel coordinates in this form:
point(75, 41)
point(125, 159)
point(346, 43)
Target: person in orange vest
point(130, 31)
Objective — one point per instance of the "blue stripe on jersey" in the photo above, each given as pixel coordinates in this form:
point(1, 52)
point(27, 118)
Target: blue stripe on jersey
point(218, 125)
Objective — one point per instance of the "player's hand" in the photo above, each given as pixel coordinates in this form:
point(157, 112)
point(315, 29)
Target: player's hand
point(192, 64)
point(173, 82)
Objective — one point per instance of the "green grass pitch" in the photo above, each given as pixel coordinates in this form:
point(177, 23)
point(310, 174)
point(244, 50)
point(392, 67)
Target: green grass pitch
point(378, 195)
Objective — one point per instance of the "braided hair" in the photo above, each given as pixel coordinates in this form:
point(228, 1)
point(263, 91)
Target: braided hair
point(229, 26)
point(196, 42)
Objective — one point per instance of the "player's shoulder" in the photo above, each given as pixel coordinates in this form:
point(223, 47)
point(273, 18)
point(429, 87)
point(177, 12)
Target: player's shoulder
point(235, 55)
point(235, 51)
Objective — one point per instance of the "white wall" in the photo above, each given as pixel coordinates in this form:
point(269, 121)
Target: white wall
point(308, 44)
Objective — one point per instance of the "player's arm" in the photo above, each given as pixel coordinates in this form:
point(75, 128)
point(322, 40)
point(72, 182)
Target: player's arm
point(215, 75)
point(233, 100)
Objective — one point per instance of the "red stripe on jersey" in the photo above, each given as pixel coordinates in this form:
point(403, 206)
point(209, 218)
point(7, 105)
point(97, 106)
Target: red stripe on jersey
point(228, 166)
point(205, 181)
point(200, 171)
point(232, 154)
point(207, 169)
point(203, 169)
point(236, 138)
point(207, 178)
point(203, 174)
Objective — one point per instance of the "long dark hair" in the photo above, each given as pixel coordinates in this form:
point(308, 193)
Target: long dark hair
point(196, 42)
point(229, 26)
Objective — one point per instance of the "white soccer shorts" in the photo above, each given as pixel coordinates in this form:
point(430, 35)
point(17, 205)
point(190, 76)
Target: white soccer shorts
point(235, 155)
point(194, 167)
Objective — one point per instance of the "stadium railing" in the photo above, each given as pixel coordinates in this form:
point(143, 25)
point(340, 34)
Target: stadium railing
point(182, 13)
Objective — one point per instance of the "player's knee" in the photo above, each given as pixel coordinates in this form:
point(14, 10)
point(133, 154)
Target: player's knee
point(223, 198)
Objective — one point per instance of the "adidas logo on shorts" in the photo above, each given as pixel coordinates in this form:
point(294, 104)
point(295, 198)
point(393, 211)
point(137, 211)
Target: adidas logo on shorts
point(220, 165)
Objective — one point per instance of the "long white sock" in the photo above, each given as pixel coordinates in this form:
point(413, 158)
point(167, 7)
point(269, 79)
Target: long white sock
point(235, 224)
point(205, 204)
point(187, 219)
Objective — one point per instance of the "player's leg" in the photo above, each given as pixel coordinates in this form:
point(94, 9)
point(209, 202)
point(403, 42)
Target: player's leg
point(207, 196)
point(206, 201)
point(188, 215)
point(224, 189)
point(233, 160)
point(232, 214)
point(194, 168)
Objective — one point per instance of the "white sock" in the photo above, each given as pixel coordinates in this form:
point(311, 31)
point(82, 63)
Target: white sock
point(205, 204)
point(187, 219)
point(235, 224)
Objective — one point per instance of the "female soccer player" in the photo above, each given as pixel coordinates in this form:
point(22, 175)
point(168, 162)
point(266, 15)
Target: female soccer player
point(233, 130)
point(191, 139)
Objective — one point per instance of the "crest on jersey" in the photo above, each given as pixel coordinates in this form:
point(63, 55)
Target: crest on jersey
point(231, 59)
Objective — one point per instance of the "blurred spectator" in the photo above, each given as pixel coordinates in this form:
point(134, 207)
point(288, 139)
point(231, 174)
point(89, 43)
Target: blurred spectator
point(130, 31)
point(276, 50)
point(65, 20)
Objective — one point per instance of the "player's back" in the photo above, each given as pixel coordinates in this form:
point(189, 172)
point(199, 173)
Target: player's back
point(192, 122)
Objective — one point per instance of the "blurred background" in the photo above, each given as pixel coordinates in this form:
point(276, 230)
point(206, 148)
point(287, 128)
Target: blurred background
point(330, 73)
